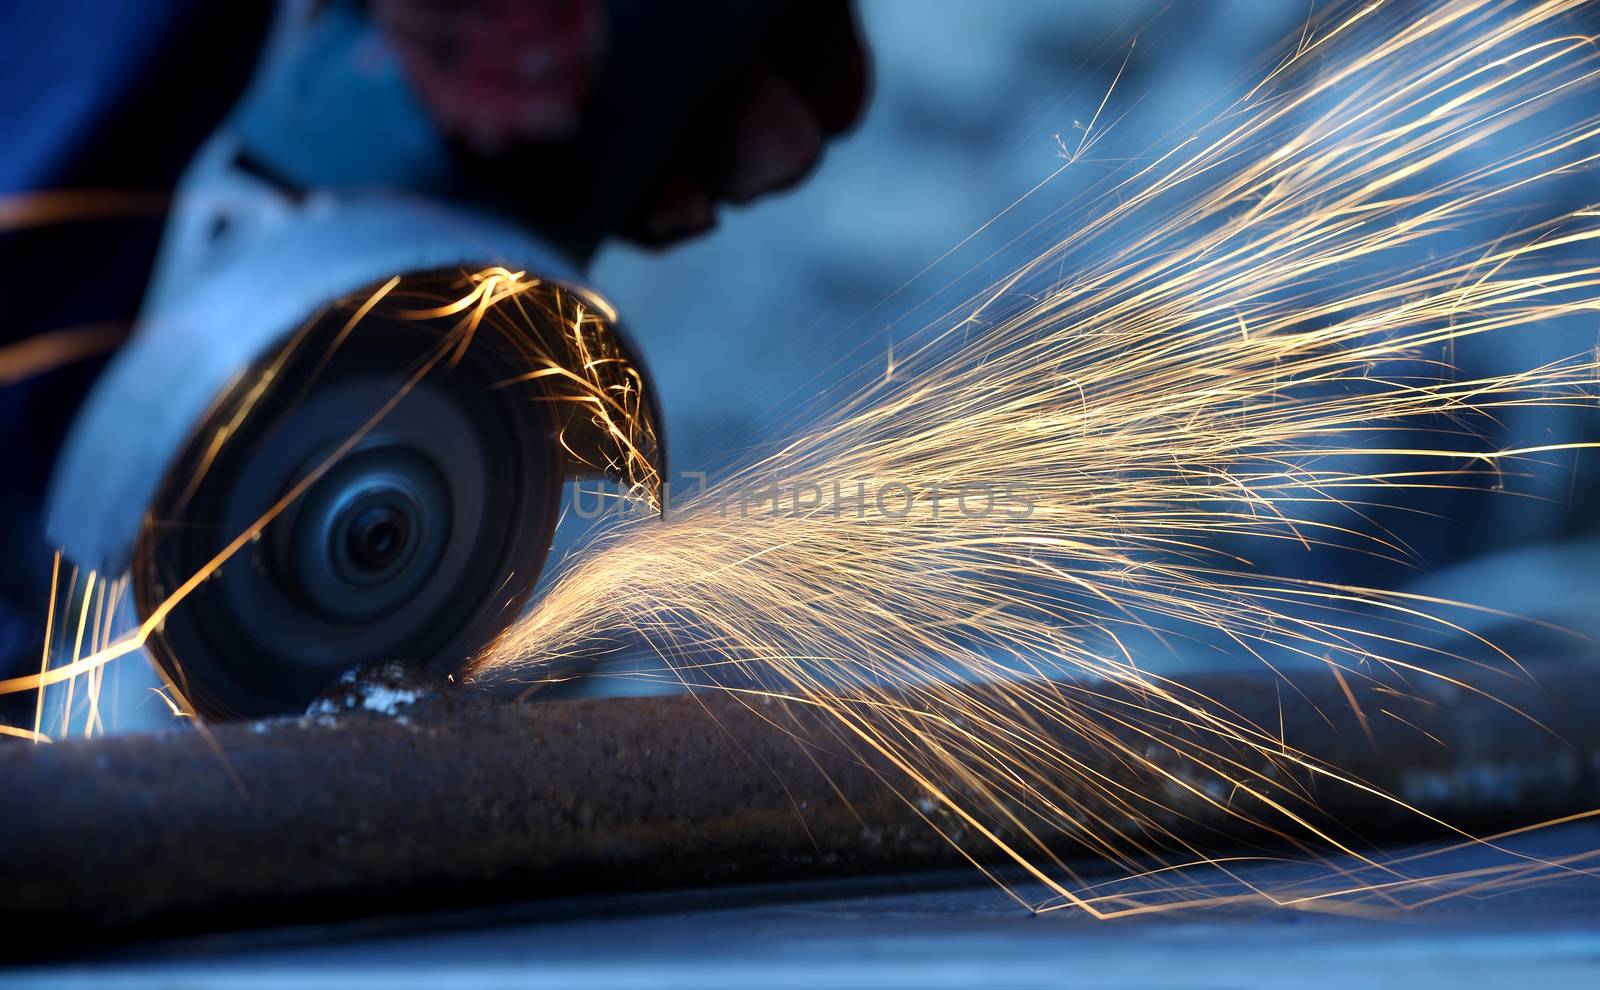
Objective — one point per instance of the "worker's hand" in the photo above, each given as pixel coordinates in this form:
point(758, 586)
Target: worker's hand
point(807, 85)
point(501, 73)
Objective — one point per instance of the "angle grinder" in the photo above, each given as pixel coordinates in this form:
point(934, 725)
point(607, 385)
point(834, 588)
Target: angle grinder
point(320, 449)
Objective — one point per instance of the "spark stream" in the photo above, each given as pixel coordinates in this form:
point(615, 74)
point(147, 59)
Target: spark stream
point(1240, 343)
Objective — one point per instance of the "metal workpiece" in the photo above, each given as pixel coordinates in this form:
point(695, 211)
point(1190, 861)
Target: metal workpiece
point(392, 797)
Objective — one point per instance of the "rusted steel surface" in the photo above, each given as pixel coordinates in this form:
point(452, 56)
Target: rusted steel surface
point(457, 799)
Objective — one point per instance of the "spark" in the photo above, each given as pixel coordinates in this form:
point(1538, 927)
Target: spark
point(57, 348)
point(49, 627)
point(22, 211)
point(32, 735)
point(1084, 140)
point(1246, 325)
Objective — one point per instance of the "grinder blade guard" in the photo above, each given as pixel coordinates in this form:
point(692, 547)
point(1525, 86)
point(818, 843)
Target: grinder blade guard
point(401, 385)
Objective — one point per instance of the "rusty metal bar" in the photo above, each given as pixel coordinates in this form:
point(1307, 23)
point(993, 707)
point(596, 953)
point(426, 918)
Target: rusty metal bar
point(464, 800)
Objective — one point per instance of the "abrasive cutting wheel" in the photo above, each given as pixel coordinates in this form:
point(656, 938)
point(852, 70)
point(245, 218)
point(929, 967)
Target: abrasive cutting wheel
point(375, 482)
point(413, 535)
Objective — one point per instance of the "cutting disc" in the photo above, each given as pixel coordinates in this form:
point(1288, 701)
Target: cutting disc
point(416, 534)
point(366, 466)
point(417, 508)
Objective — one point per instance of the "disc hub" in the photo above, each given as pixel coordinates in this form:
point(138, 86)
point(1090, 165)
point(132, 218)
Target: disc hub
point(367, 535)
